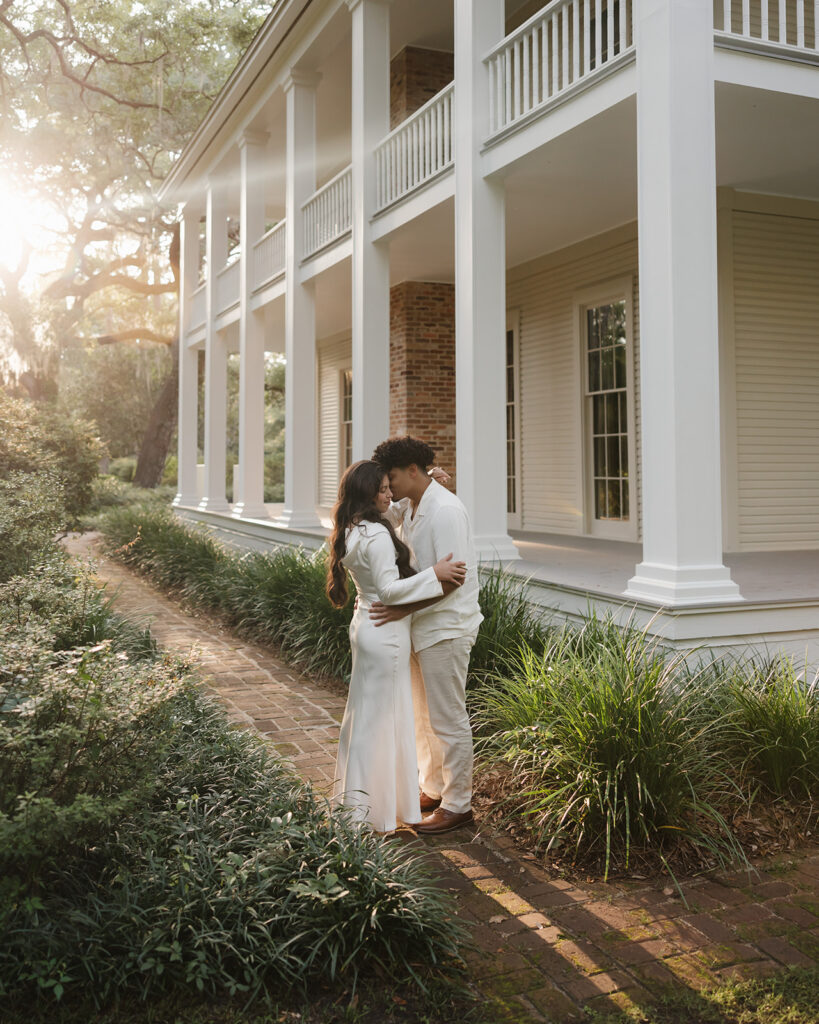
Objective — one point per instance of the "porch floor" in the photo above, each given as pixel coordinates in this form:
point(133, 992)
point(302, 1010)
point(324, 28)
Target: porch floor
point(605, 567)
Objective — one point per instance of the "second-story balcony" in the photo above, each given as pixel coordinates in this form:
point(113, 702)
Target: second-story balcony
point(416, 151)
point(227, 286)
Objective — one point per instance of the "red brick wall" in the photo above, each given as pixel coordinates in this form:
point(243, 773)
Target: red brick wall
point(422, 366)
point(416, 75)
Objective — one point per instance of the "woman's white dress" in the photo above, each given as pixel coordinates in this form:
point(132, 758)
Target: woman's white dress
point(377, 769)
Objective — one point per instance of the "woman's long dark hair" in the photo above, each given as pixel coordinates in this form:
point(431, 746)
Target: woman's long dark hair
point(357, 493)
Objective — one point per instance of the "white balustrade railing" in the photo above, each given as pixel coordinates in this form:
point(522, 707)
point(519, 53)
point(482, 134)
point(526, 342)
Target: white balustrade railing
point(791, 23)
point(227, 286)
point(268, 255)
point(328, 213)
point(565, 42)
point(198, 307)
point(416, 150)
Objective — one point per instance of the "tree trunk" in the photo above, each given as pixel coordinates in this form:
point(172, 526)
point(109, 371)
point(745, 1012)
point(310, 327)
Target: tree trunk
point(157, 439)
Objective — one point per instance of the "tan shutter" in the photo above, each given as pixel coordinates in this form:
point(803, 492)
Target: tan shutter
point(332, 359)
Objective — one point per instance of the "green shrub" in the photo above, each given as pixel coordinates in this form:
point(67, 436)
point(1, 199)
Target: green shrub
point(613, 745)
point(80, 736)
point(234, 879)
point(123, 468)
point(31, 513)
point(66, 602)
point(37, 440)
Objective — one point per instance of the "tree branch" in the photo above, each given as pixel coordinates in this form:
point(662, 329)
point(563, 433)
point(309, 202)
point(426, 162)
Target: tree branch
point(136, 334)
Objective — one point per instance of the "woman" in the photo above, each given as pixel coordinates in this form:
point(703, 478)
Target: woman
point(377, 770)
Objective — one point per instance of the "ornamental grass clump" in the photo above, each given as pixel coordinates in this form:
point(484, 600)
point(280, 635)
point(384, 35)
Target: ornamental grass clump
point(612, 748)
point(774, 739)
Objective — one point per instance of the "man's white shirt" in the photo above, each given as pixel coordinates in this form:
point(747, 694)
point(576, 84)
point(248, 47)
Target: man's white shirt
point(440, 526)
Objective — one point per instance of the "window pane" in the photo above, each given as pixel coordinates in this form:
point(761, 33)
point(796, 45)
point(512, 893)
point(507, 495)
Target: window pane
point(600, 456)
point(594, 371)
point(623, 417)
point(613, 456)
point(612, 422)
point(624, 456)
point(613, 490)
point(599, 413)
point(624, 507)
point(620, 366)
point(608, 369)
point(600, 499)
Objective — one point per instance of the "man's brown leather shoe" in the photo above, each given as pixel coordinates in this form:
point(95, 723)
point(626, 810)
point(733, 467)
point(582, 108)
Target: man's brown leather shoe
point(429, 803)
point(443, 821)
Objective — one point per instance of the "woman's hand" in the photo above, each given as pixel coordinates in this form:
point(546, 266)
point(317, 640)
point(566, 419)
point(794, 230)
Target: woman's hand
point(439, 475)
point(448, 571)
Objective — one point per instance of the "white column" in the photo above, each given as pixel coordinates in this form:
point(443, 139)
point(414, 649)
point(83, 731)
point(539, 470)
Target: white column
point(480, 290)
point(370, 262)
point(215, 357)
point(249, 502)
point(187, 422)
point(300, 472)
point(679, 349)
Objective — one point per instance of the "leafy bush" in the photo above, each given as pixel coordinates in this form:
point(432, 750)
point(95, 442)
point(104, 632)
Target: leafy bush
point(612, 746)
point(38, 440)
point(31, 512)
point(234, 878)
point(66, 603)
point(80, 737)
point(123, 468)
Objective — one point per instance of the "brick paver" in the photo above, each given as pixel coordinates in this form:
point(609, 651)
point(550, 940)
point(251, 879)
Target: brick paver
point(546, 947)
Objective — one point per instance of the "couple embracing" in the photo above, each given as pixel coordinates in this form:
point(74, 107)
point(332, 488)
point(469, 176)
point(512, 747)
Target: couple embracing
point(405, 746)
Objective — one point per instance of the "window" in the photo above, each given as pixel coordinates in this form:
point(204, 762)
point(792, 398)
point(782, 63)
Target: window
point(608, 418)
point(512, 424)
point(346, 419)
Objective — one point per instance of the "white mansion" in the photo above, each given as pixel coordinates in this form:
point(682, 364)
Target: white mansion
point(574, 246)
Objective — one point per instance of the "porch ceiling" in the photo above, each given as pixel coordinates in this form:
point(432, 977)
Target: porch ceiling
point(767, 141)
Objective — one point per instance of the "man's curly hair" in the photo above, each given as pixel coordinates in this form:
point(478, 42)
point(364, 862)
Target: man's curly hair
point(400, 452)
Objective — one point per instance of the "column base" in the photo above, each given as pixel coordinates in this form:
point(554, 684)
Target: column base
point(249, 510)
point(298, 519)
point(496, 549)
point(213, 505)
point(186, 500)
point(673, 586)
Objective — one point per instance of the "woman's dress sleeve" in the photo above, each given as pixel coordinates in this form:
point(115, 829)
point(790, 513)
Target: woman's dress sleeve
point(391, 589)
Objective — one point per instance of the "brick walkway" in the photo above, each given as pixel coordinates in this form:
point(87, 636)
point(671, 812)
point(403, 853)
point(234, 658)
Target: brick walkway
point(546, 947)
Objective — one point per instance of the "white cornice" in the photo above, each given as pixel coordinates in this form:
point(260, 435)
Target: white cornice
point(299, 76)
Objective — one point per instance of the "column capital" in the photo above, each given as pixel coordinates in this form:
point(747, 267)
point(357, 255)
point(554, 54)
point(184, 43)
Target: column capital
point(300, 76)
point(352, 4)
point(252, 138)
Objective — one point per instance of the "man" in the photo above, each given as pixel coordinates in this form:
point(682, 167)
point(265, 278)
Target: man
point(434, 522)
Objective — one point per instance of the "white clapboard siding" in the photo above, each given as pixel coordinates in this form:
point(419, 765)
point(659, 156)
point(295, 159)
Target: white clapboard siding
point(333, 358)
point(776, 331)
point(550, 389)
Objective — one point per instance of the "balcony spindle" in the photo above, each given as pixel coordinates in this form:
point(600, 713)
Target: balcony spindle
point(598, 32)
point(544, 60)
point(800, 23)
point(783, 22)
point(527, 102)
point(554, 43)
point(610, 20)
point(586, 36)
point(746, 18)
point(764, 19)
point(576, 40)
point(564, 28)
point(623, 27)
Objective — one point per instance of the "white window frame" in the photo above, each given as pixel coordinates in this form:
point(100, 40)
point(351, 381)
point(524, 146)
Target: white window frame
point(599, 295)
point(342, 462)
point(514, 519)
